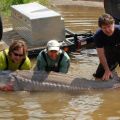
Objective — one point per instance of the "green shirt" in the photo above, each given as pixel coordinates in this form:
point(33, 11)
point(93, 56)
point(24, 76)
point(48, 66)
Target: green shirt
point(11, 65)
point(64, 64)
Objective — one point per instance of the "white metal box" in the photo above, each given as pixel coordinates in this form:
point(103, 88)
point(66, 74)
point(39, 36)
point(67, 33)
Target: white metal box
point(37, 24)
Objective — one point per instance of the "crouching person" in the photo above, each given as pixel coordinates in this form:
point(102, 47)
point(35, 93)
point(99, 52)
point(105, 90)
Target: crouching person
point(53, 58)
point(15, 58)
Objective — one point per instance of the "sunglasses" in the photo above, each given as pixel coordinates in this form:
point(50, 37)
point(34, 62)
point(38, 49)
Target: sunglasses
point(16, 54)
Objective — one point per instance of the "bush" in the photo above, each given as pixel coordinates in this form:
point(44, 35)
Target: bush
point(5, 4)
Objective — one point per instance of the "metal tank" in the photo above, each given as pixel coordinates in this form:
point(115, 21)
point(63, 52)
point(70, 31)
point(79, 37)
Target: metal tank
point(37, 24)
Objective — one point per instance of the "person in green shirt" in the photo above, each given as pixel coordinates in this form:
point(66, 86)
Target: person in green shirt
point(53, 58)
point(15, 58)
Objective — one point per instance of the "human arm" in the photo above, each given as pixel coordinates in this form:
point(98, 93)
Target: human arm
point(103, 61)
point(84, 41)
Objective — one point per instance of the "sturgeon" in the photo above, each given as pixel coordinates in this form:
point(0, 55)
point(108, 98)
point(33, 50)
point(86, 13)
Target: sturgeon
point(27, 80)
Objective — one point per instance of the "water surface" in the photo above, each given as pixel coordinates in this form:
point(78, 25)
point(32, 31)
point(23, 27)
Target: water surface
point(87, 105)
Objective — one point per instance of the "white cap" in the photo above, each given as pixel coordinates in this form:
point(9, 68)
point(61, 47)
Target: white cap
point(53, 45)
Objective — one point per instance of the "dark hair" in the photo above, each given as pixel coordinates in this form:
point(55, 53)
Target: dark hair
point(16, 45)
point(105, 19)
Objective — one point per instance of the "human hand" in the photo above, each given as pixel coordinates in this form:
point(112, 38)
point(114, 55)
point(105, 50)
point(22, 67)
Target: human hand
point(7, 87)
point(107, 75)
point(80, 42)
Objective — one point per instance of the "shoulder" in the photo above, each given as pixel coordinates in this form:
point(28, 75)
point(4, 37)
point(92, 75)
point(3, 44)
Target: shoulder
point(65, 55)
point(27, 60)
point(2, 60)
point(99, 38)
point(117, 27)
point(2, 57)
point(5, 50)
point(41, 53)
point(98, 33)
point(3, 53)
point(27, 64)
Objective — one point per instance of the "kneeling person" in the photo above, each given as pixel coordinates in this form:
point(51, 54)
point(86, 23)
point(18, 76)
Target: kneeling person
point(15, 57)
point(53, 58)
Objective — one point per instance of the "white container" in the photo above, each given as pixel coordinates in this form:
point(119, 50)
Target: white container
point(37, 24)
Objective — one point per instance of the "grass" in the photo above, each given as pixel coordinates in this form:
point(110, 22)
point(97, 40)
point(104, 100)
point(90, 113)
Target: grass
point(5, 4)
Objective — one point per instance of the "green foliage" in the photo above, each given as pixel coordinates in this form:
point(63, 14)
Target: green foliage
point(5, 4)
point(43, 2)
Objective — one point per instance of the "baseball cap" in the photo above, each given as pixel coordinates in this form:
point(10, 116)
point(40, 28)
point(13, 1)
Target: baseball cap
point(53, 45)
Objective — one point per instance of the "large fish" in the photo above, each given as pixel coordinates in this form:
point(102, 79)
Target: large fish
point(26, 80)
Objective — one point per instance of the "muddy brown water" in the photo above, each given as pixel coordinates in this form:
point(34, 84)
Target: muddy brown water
point(87, 105)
